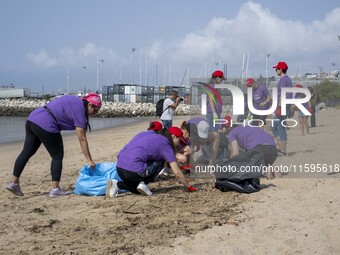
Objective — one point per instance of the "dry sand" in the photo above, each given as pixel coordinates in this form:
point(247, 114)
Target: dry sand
point(288, 216)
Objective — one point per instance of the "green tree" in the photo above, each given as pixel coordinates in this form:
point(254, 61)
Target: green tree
point(328, 91)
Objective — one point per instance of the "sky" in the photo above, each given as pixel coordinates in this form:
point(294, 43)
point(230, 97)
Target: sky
point(51, 46)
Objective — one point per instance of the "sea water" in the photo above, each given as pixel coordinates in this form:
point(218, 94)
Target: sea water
point(13, 128)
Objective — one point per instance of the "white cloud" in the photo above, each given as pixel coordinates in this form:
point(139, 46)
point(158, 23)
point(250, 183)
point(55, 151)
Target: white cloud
point(42, 59)
point(251, 30)
point(68, 57)
point(224, 40)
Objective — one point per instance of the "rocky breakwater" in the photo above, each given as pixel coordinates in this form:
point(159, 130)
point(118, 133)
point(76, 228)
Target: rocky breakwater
point(22, 107)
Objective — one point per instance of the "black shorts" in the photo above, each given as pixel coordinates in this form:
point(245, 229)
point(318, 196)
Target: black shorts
point(269, 153)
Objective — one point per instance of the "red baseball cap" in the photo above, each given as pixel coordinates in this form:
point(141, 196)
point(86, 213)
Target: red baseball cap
point(298, 86)
point(228, 120)
point(218, 73)
point(177, 132)
point(249, 82)
point(281, 65)
point(155, 126)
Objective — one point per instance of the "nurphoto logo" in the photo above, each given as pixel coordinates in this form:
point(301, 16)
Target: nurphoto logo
point(238, 103)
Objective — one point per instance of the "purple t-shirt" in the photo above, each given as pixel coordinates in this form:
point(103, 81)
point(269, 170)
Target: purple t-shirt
point(248, 137)
point(143, 147)
point(218, 106)
point(196, 121)
point(284, 81)
point(68, 110)
point(260, 95)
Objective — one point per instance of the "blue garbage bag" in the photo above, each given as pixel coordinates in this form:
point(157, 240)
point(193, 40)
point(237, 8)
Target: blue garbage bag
point(93, 183)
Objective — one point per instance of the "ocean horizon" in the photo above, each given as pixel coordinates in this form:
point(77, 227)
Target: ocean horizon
point(12, 129)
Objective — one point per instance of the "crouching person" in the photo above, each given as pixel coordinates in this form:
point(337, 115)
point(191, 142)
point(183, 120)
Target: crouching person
point(141, 160)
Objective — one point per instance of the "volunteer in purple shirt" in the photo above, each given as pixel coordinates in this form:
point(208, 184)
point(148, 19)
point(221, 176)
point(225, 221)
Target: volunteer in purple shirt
point(261, 100)
point(141, 160)
point(43, 126)
point(279, 131)
point(250, 138)
point(303, 119)
point(214, 107)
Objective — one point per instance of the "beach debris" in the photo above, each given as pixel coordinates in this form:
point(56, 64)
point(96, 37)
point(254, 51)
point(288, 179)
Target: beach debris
point(37, 227)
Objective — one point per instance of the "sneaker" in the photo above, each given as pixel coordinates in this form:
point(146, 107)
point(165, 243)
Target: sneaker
point(57, 192)
point(14, 188)
point(165, 171)
point(112, 188)
point(144, 189)
point(281, 153)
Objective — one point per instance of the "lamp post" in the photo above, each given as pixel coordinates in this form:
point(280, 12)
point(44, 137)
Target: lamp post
point(101, 76)
point(133, 65)
point(67, 80)
point(84, 68)
point(339, 60)
point(267, 57)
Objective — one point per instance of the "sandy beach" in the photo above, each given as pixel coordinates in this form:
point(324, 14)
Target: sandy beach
point(297, 214)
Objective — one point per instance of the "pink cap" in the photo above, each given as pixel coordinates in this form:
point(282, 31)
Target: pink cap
point(94, 99)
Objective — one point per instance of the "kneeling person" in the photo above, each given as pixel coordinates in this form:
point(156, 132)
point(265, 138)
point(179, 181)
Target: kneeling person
point(141, 160)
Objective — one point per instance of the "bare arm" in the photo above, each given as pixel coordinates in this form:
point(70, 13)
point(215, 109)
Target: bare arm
point(214, 137)
point(234, 149)
point(81, 133)
point(177, 172)
point(175, 104)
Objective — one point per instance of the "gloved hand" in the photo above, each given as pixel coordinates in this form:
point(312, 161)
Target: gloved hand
point(278, 112)
point(192, 189)
point(262, 104)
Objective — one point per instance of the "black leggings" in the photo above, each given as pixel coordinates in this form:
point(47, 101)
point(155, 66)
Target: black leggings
point(130, 180)
point(53, 142)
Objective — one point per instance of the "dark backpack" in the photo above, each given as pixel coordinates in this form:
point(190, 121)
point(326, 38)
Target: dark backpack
point(159, 107)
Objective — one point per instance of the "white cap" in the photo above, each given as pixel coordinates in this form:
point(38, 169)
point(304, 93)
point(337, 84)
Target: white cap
point(203, 129)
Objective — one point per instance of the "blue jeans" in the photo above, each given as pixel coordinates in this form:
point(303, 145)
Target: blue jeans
point(167, 123)
point(278, 129)
point(210, 119)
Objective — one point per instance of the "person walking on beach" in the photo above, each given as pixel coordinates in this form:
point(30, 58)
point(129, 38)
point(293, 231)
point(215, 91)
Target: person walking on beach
point(261, 100)
point(169, 106)
point(279, 131)
point(142, 159)
point(303, 119)
point(313, 102)
point(214, 107)
point(43, 126)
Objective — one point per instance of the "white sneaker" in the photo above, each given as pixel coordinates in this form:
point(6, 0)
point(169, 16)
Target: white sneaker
point(112, 188)
point(144, 189)
point(165, 171)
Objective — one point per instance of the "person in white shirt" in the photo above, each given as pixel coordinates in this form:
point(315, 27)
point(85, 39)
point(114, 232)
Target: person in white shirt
point(169, 106)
